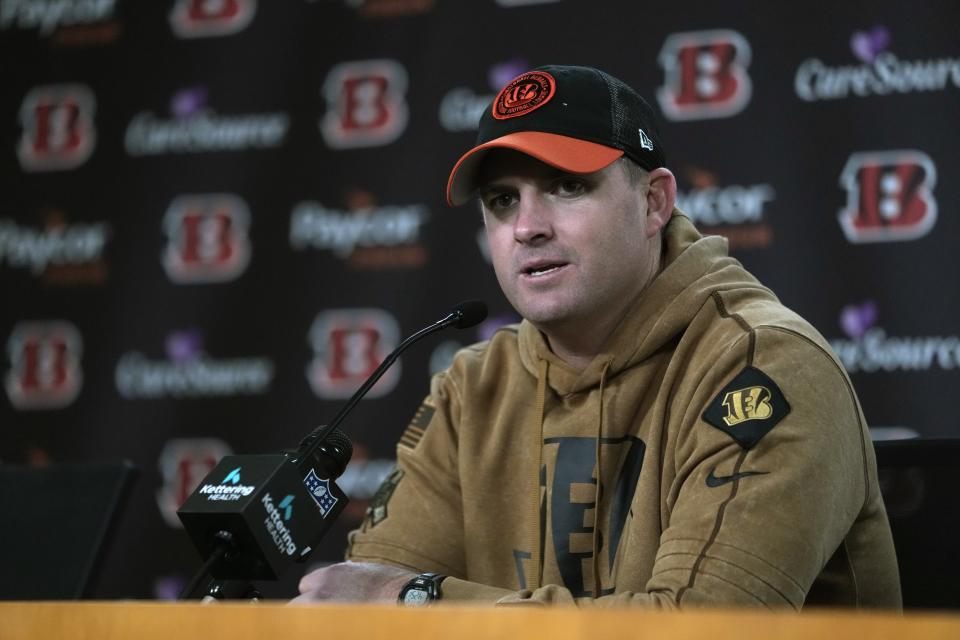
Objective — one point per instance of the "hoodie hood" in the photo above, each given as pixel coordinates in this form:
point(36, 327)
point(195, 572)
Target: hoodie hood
point(695, 266)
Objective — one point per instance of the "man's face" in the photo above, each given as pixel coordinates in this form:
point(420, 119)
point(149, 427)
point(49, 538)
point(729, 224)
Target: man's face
point(571, 251)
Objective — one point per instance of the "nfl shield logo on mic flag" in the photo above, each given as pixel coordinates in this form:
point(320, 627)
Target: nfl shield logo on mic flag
point(320, 492)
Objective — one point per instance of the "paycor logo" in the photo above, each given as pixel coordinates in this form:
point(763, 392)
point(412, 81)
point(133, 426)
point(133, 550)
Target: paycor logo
point(46, 16)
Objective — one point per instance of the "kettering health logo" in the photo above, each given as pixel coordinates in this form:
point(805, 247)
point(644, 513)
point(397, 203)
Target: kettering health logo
point(229, 488)
point(188, 372)
point(869, 349)
point(196, 128)
point(274, 523)
point(879, 72)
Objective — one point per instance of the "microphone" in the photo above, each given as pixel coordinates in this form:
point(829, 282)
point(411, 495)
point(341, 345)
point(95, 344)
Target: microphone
point(254, 515)
point(467, 314)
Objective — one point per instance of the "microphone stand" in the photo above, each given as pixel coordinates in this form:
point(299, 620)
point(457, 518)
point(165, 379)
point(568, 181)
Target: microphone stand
point(225, 546)
point(319, 435)
point(219, 588)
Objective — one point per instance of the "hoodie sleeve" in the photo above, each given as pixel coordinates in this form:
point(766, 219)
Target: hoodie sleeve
point(415, 519)
point(771, 471)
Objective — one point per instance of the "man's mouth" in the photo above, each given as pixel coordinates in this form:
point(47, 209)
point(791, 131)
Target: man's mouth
point(542, 269)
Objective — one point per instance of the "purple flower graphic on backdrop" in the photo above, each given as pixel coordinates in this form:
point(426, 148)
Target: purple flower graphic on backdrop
point(857, 319)
point(486, 330)
point(501, 74)
point(184, 346)
point(188, 102)
point(168, 587)
point(867, 45)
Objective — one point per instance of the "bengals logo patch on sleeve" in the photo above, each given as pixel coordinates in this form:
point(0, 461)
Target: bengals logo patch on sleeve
point(418, 425)
point(748, 407)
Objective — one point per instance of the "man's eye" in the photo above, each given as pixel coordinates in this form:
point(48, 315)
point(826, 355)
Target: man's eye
point(499, 201)
point(570, 187)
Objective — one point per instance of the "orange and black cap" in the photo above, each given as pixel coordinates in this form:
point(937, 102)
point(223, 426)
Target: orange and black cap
point(578, 119)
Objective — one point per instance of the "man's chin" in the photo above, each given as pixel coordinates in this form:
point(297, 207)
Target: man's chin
point(548, 319)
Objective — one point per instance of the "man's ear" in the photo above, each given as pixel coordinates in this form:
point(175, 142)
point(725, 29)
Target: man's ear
point(661, 198)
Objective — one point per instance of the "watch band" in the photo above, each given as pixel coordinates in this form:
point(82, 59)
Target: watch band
point(422, 589)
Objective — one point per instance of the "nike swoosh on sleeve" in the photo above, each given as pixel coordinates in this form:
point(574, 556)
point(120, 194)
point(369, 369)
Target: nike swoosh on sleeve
point(717, 481)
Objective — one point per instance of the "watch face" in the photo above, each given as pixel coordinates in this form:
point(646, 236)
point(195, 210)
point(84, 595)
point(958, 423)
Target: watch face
point(416, 596)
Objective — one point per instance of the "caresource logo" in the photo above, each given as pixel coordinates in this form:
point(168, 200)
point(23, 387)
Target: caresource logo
point(197, 128)
point(206, 18)
point(869, 349)
point(365, 235)
point(732, 210)
point(441, 358)
point(183, 463)
point(879, 73)
point(366, 104)
point(348, 345)
point(705, 75)
point(461, 107)
point(188, 372)
point(44, 364)
point(889, 196)
point(207, 238)
point(58, 129)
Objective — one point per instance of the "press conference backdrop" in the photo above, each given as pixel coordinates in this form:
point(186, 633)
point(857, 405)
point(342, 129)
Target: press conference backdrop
point(218, 216)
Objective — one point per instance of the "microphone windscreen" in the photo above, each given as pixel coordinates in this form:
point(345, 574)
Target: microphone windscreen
point(470, 313)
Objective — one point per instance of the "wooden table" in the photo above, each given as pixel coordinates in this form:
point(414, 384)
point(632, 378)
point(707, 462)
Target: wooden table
point(176, 621)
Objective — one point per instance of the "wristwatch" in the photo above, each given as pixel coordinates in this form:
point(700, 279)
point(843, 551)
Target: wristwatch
point(423, 589)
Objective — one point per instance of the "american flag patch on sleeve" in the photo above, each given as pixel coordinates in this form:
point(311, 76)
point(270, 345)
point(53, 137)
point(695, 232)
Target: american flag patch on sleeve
point(418, 426)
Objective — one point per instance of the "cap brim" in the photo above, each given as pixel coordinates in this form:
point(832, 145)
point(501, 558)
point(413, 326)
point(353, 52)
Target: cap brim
point(565, 153)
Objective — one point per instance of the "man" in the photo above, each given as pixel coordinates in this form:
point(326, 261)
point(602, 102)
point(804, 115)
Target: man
point(659, 429)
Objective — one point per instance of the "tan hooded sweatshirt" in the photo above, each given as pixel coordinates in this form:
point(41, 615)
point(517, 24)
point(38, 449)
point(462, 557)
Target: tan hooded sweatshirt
point(734, 462)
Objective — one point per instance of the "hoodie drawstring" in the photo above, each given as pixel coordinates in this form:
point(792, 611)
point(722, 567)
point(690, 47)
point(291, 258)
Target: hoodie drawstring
point(537, 564)
point(597, 584)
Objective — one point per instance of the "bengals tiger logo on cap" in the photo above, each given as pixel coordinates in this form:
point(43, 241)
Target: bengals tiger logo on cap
point(523, 94)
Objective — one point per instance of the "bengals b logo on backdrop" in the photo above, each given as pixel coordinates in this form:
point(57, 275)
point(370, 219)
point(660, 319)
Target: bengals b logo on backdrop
point(184, 462)
point(207, 238)
point(348, 345)
point(705, 75)
point(889, 196)
point(366, 104)
point(58, 130)
point(44, 365)
point(202, 18)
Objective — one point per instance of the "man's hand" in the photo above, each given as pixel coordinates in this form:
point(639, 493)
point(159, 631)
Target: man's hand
point(353, 582)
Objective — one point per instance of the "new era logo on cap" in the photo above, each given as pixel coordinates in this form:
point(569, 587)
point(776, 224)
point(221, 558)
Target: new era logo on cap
point(645, 141)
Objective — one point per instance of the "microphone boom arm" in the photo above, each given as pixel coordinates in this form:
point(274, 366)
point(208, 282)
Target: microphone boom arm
point(455, 317)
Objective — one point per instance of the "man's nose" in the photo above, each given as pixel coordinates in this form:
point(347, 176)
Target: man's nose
point(533, 223)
